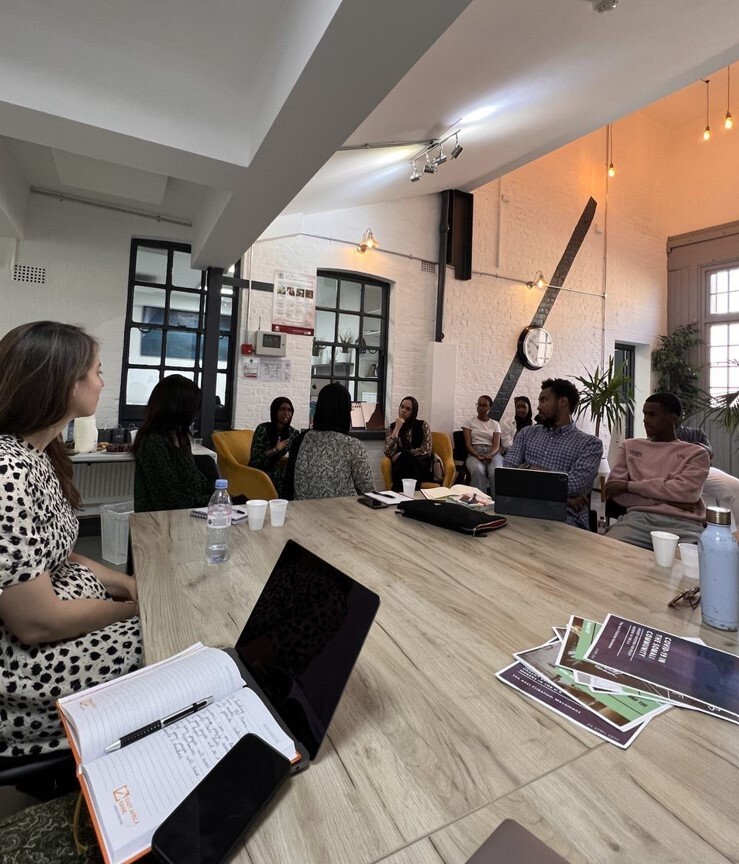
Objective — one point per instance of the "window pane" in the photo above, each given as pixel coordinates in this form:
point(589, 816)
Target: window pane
point(326, 291)
point(151, 265)
point(720, 304)
point(146, 299)
point(184, 310)
point(734, 335)
point(350, 296)
point(368, 364)
point(181, 349)
point(367, 391)
point(344, 361)
point(186, 373)
point(325, 326)
point(139, 384)
point(372, 300)
point(372, 332)
point(226, 311)
point(348, 329)
point(182, 274)
point(221, 381)
point(145, 346)
point(224, 348)
point(719, 334)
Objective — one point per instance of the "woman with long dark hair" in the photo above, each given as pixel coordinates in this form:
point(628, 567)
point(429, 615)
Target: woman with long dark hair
point(523, 416)
point(272, 441)
point(60, 630)
point(167, 477)
point(325, 462)
point(482, 438)
point(408, 445)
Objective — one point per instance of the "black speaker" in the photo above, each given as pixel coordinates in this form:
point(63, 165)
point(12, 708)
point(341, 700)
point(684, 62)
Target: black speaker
point(459, 238)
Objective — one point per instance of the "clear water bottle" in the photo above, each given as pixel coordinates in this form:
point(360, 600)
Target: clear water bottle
point(219, 525)
point(718, 556)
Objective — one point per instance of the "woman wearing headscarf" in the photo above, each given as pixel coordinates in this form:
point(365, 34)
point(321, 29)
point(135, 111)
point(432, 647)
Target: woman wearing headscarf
point(408, 445)
point(325, 462)
point(272, 441)
point(522, 417)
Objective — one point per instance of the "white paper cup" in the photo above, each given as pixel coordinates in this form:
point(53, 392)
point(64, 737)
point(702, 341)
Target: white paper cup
point(277, 511)
point(256, 510)
point(409, 487)
point(664, 545)
point(689, 557)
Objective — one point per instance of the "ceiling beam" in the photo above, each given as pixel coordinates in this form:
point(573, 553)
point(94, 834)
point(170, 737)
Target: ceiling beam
point(366, 49)
point(14, 191)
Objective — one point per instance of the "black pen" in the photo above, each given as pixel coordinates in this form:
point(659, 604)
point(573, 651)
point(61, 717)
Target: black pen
point(125, 740)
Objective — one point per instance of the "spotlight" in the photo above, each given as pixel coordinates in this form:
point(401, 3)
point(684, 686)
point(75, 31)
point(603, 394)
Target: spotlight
point(441, 158)
point(457, 148)
point(415, 176)
point(430, 167)
point(367, 242)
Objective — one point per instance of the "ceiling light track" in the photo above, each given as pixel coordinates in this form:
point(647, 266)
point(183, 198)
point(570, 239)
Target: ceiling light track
point(431, 162)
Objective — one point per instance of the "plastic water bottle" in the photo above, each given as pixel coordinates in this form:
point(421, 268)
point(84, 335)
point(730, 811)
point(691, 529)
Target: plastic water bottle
point(718, 556)
point(219, 525)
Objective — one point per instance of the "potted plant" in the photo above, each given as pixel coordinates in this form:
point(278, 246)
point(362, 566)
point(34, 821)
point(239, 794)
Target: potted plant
point(724, 411)
point(676, 374)
point(605, 394)
point(346, 341)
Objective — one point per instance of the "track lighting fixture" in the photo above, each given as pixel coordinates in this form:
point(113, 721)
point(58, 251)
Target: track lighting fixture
point(707, 130)
point(457, 149)
point(368, 241)
point(431, 164)
point(728, 120)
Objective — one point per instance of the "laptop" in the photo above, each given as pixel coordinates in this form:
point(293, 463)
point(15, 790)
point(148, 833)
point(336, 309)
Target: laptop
point(528, 492)
point(301, 641)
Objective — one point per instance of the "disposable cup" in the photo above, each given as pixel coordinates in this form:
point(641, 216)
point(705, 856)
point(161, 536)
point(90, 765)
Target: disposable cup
point(409, 487)
point(255, 512)
point(664, 544)
point(277, 511)
point(689, 557)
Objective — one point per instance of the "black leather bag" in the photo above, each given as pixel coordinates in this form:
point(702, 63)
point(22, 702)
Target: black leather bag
point(455, 517)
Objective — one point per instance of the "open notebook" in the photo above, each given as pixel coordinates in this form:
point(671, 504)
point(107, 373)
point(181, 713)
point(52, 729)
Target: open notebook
point(295, 653)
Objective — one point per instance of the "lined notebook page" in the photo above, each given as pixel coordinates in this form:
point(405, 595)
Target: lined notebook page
point(136, 788)
point(101, 716)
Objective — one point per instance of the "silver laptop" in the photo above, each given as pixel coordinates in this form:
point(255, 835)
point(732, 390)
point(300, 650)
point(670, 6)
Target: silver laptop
point(527, 492)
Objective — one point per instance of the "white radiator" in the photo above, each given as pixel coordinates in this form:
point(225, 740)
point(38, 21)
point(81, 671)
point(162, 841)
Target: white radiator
point(104, 483)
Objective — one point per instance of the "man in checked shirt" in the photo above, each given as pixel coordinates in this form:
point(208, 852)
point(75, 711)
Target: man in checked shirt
point(556, 444)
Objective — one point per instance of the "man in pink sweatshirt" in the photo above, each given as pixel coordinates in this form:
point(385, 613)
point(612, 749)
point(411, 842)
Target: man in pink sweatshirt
point(659, 479)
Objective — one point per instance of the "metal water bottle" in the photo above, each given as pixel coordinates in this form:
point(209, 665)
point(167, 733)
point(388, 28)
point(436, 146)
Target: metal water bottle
point(219, 525)
point(718, 554)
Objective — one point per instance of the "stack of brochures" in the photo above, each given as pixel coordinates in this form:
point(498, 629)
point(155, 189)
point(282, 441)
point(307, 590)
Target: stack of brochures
point(613, 678)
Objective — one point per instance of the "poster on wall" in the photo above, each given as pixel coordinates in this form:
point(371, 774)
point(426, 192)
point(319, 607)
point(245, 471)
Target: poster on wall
point(274, 369)
point(294, 303)
point(250, 367)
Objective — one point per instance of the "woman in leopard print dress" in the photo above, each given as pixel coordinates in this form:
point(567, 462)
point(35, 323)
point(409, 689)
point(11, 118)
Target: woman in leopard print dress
point(60, 629)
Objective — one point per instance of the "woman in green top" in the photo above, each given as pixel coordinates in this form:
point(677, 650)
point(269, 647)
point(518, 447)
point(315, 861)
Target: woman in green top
point(273, 440)
point(167, 477)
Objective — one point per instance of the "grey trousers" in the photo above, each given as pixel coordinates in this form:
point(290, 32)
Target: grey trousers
point(635, 526)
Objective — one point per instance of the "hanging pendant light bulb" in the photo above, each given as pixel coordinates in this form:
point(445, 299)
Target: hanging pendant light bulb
point(728, 120)
point(609, 151)
point(707, 130)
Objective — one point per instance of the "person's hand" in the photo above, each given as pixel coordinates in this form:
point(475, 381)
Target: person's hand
point(122, 586)
point(281, 446)
point(616, 487)
point(578, 502)
point(395, 457)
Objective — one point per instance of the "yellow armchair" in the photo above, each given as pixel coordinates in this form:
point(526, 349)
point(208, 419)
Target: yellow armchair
point(442, 447)
point(234, 449)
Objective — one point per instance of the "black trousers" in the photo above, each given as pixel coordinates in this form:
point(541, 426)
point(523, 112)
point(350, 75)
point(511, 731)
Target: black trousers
point(407, 467)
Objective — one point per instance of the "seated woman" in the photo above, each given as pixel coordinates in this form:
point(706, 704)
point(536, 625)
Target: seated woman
point(325, 462)
point(522, 417)
point(167, 477)
point(273, 440)
point(408, 445)
point(60, 629)
point(482, 438)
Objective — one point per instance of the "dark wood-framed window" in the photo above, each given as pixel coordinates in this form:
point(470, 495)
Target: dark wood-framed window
point(625, 362)
point(166, 324)
point(350, 339)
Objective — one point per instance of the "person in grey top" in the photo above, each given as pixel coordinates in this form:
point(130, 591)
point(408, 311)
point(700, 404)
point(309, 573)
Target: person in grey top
point(326, 462)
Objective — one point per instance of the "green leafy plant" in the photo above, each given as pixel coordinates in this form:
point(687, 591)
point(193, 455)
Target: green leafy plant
point(724, 411)
point(347, 338)
point(604, 394)
point(676, 374)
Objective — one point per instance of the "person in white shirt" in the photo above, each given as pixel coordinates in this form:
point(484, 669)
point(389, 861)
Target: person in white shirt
point(522, 417)
point(482, 438)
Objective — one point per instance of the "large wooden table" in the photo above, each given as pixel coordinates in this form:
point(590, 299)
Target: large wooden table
point(428, 752)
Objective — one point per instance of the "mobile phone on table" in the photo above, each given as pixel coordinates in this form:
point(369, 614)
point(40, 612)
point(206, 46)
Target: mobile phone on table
point(205, 827)
point(373, 503)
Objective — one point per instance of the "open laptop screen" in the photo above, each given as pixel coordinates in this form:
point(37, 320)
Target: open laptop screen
point(303, 638)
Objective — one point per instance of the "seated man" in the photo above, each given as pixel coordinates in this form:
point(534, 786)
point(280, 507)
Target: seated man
point(659, 479)
point(720, 488)
point(556, 444)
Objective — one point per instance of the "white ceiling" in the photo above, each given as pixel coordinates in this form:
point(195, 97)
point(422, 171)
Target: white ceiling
point(231, 112)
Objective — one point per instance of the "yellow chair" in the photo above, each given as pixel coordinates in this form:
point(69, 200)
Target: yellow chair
point(233, 449)
point(442, 447)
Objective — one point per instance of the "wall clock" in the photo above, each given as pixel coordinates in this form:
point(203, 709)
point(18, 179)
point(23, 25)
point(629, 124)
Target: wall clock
point(535, 347)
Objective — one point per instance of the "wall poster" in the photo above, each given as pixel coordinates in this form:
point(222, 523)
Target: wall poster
point(294, 303)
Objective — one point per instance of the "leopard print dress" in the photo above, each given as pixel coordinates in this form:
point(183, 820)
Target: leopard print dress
point(38, 530)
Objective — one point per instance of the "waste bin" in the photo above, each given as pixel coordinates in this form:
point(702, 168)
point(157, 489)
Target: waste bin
point(114, 531)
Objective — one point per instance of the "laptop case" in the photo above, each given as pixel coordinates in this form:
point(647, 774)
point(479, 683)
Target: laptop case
point(455, 517)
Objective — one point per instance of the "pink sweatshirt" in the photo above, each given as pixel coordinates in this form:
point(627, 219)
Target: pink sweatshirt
point(660, 472)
